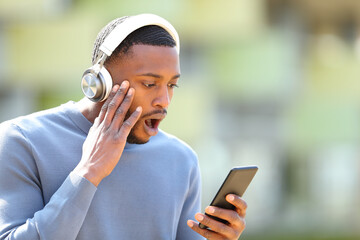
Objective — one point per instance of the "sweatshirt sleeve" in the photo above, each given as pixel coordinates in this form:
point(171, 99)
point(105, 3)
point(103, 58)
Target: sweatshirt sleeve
point(191, 206)
point(23, 214)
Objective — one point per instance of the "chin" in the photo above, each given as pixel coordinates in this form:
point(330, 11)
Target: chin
point(134, 139)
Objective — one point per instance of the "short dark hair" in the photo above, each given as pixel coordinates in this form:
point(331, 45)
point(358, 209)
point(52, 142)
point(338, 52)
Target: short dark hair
point(148, 35)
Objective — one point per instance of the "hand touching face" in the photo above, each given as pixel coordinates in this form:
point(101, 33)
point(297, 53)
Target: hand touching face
point(107, 137)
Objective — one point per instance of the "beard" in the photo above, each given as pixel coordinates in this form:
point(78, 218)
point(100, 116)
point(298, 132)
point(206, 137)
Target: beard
point(133, 139)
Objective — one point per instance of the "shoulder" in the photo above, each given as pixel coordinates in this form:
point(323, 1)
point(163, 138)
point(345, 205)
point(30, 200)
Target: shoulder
point(15, 148)
point(9, 130)
point(42, 117)
point(16, 132)
point(35, 123)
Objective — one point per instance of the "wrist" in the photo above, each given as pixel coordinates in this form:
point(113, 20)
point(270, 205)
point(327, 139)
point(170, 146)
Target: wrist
point(88, 175)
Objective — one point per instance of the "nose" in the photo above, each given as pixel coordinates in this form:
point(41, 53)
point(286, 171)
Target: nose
point(163, 98)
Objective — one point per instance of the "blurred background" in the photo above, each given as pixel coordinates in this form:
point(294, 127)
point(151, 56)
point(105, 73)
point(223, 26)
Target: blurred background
point(273, 83)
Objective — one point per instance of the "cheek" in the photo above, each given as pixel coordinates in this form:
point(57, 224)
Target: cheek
point(171, 93)
point(140, 99)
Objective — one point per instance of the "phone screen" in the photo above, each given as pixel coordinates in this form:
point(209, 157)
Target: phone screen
point(236, 182)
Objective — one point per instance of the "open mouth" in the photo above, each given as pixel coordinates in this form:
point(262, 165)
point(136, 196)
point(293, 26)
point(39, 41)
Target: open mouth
point(152, 123)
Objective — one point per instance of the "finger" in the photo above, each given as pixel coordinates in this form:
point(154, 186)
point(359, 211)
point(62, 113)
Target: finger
point(235, 222)
point(104, 106)
point(239, 203)
point(115, 102)
point(208, 234)
point(129, 123)
point(121, 111)
point(96, 121)
point(217, 226)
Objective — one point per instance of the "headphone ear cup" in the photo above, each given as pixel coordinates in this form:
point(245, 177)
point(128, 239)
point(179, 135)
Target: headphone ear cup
point(96, 87)
point(107, 82)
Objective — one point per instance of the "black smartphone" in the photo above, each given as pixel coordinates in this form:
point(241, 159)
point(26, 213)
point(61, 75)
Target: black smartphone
point(236, 182)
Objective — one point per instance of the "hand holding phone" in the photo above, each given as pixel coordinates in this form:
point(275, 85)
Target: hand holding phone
point(236, 183)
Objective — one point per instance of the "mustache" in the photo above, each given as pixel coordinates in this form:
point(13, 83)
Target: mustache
point(159, 111)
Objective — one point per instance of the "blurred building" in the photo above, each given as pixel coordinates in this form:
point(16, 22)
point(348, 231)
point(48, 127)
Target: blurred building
point(266, 82)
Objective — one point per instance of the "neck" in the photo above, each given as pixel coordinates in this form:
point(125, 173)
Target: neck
point(89, 109)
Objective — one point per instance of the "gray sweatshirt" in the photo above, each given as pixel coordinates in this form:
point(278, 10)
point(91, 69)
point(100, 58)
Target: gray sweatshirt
point(151, 193)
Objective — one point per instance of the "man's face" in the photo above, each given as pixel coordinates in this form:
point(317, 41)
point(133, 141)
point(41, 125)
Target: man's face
point(153, 71)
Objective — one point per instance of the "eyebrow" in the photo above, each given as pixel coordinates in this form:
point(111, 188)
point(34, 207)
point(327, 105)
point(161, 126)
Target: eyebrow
point(157, 75)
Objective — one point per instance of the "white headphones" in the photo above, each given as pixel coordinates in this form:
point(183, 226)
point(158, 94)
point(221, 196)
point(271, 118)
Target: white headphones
point(96, 82)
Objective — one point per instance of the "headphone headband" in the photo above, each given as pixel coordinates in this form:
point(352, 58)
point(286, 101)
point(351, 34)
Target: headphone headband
point(132, 23)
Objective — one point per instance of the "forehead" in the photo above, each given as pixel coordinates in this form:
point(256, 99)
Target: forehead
point(156, 58)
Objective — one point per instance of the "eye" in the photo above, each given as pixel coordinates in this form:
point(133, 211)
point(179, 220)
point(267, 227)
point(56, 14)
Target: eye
point(149, 85)
point(173, 85)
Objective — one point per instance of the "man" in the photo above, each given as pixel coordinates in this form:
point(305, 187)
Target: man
point(102, 169)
